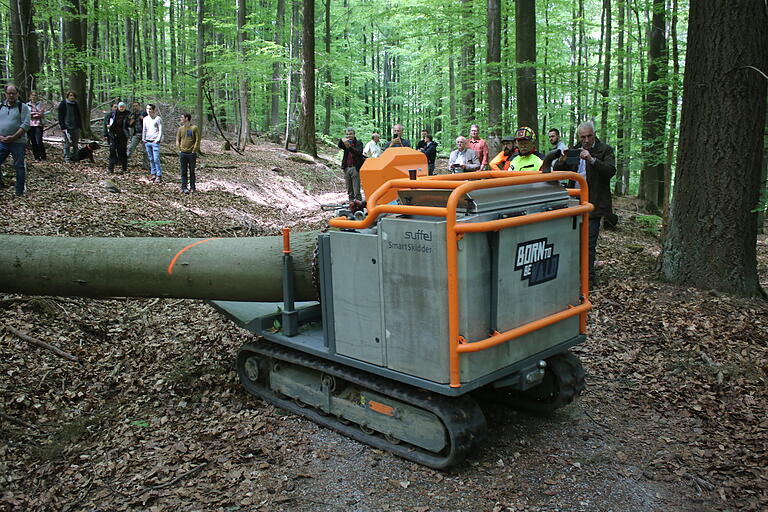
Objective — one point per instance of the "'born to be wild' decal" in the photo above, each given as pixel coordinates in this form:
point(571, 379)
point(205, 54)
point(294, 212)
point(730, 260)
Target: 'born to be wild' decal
point(537, 261)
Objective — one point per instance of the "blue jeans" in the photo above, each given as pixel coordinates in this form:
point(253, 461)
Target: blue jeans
point(16, 149)
point(153, 152)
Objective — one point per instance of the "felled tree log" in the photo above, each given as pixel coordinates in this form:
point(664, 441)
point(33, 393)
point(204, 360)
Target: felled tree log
point(244, 269)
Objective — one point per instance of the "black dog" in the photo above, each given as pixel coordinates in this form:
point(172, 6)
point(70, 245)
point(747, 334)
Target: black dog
point(86, 153)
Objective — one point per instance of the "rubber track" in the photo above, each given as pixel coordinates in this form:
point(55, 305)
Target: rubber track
point(462, 418)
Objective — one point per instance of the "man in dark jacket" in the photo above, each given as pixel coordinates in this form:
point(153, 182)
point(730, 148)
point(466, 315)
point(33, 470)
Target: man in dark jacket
point(430, 150)
point(351, 161)
point(70, 123)
point(118, 133)
point(597, 163)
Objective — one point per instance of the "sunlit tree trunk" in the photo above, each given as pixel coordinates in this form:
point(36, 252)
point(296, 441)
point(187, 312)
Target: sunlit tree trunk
point(242, 139)
point(199, 61)
point(493, 60)
point(306, 139)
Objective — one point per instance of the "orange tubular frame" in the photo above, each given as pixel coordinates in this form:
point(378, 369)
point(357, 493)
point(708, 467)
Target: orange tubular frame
point(461, 185)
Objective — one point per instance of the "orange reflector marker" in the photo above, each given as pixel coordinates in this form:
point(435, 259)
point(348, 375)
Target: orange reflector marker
point(381, 408)
point(286, 240)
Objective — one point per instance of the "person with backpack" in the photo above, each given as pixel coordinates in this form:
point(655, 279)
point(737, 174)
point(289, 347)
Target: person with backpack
point(14, 123)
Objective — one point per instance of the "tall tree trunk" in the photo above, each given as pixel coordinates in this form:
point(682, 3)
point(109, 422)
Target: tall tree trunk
point(467, 75)
point(655, 114)
point(289, 93)
point(493, 63)
point(242, 139)
point(26, 59)
point(74, 25)
point(452, 89)
point(172, 26)
point(525, 49)
point(306, 140)
point(673, 119)
point(129, 54)
point(711, 241)
point(328, 73)
point(199, 62)
point(606, 71)
point(277, 68)
point(621, 160)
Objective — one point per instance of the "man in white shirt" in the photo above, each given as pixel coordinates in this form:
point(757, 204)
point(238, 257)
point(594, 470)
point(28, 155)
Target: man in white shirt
point(373, 149)
point(152, 134)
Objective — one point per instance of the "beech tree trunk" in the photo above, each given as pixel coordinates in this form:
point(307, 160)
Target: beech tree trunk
point(606, 71)
point(712, 232)
point(75, 31)
point(525, 38)
point(328, 73)
point(242, 139)
point(26, 60)
point(493, 62)
point(277, 68)
point(467, 72)
point(247, 268)
point(199, 61)
point(652, 184)
point(621, 160)
point(306, 139)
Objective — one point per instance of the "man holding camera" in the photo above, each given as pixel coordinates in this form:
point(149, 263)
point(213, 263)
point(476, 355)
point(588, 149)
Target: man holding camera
point(597, 163)
point(351, 161)
point(397, 140)
point(463, 159)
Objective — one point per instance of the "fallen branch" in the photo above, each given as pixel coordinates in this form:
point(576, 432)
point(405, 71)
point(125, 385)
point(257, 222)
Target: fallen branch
point(39, 343)
point(216, 121)
point(17, 421)
point(178, 478)
point(700, 482)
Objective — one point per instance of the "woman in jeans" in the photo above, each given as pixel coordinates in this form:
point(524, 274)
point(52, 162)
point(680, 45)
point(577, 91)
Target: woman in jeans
point(36, 125)
point(151, 134)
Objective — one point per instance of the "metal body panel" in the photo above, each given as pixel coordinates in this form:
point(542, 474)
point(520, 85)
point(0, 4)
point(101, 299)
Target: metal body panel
point(413, 295)
point(356, 304)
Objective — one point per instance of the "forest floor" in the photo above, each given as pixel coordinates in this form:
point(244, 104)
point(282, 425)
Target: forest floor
point(152, 417)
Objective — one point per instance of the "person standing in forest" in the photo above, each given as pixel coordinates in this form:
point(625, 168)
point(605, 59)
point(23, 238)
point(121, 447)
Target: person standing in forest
point(554, 140)
point(188, 146)
point(372, 149)
point(462, 159)
point(527, 159)
point(429, 148)
point(423, 140)
point(351, 161)
point(136, 123)
point(118, 133)
point(502, 161)
point(478, 145)
point(597, 163)
point(70, 124)
point(152, 134)
point(14, 123)
point(397, 140)
point(36, 126)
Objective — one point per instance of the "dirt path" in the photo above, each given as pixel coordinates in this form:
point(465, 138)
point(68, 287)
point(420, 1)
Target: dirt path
point(153, 418)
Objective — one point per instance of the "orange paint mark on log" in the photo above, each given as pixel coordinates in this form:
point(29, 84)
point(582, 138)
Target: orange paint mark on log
point(176, 257)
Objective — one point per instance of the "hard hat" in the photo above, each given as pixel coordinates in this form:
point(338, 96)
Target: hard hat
point(525, 133)
point(507, 138)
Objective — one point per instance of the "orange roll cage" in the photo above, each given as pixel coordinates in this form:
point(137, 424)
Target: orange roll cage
point(462, 184)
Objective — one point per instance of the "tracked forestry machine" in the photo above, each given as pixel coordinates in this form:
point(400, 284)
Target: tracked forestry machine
point(391, 325)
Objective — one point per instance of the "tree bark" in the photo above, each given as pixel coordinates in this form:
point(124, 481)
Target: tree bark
point(74, 30)
point(200, 61)
point(242, 139)
point(277, 68)
point(621, 161)
point(525, 49)
point(328, 73)
point(493, 63)
point(26, 60)
point(672, 121)
point(467, 75)
point(306, 141)
point(606, 71)
point(711, 242)
point(247, 268)
point(652, 186)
